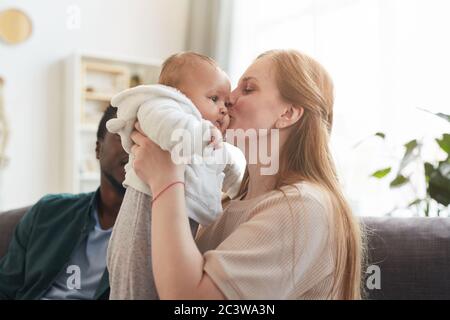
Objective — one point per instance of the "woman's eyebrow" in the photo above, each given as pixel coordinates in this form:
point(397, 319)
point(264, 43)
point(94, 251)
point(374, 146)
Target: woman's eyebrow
point(249, 78)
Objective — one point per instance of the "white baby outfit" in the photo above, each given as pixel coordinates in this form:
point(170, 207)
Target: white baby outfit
point(162, 112)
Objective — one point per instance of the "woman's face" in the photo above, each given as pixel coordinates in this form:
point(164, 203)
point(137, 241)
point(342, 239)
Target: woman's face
point(256, 102)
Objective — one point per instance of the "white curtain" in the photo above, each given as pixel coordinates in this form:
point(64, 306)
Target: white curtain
point(209, 27)
point(387, 58)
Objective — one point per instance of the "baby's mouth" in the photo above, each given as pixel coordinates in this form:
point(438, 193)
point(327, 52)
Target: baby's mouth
point(222, 125)
point(218, 124)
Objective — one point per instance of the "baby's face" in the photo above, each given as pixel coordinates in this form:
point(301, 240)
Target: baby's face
point(209, 89)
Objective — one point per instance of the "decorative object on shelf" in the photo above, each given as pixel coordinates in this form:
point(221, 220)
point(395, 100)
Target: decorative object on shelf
point(101, 82)
point(135, 81)
point(435, 175)
point(4, 131)
point(15, 26)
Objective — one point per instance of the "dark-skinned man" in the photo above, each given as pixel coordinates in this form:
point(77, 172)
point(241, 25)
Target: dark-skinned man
point(58, 250)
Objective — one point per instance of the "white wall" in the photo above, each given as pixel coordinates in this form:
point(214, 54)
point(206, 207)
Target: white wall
point(33, 72)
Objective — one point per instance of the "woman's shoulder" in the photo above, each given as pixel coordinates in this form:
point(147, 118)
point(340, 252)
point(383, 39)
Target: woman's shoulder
point(301, 193)
point(308, 192)
point(299, 199)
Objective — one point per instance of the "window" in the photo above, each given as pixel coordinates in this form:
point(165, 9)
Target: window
point(387, 59)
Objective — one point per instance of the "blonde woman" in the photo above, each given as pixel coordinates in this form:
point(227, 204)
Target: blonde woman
point(290, 235)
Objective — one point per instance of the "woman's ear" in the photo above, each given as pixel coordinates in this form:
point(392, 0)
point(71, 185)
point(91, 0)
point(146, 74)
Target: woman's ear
point(289, 117)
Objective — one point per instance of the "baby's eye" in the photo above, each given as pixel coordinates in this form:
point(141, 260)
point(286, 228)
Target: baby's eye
point(214, 98)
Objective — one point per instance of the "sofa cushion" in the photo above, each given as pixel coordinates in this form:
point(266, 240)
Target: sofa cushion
point(413, 255)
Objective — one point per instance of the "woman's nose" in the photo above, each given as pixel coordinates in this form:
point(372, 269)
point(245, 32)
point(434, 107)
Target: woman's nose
point(231, 100)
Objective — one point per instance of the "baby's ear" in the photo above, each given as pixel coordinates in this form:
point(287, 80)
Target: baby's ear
point(115, 125)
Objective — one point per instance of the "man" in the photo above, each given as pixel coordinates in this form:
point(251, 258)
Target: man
point(58, 250)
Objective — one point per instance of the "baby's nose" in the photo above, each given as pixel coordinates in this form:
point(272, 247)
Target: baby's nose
point(223, 109)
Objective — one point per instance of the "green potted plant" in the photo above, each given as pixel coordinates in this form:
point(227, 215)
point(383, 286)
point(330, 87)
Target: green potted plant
point(436, 175)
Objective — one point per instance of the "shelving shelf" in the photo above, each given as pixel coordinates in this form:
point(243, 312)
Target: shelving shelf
point(99, 96)
point(91, 80)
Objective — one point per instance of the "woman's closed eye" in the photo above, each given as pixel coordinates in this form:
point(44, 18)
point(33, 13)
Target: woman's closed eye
point(247, 89)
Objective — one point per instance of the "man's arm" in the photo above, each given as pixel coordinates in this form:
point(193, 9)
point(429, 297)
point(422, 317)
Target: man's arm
point(12, 265)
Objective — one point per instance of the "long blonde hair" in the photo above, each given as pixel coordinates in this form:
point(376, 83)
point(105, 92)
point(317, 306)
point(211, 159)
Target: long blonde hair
point(306, 156)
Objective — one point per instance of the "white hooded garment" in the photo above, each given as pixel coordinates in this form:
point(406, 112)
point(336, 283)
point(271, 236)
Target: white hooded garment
point(172, 121)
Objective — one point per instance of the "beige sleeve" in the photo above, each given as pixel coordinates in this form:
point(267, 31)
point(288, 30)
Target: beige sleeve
point(280, 253)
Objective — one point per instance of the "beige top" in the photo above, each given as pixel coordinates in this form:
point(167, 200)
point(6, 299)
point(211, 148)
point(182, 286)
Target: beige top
point(273, 246)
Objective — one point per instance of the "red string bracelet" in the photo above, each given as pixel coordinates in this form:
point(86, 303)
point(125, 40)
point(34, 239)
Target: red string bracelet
point(170, 185)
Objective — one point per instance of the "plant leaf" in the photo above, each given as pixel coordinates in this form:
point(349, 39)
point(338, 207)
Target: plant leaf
point(444, 142)
point(415, 202)
point(439, 114)
point(443, 116)
point(378, 134)
point(399, 181)
point(411, 145)
point(444, 169)
point(379, 174)
point(439, 184)
point(429, 168)
point(409, 154)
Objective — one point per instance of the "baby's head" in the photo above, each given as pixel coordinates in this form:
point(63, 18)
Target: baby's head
point(201, 80)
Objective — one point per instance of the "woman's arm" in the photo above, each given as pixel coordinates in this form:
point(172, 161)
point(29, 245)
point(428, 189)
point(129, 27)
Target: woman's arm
point(177, 262)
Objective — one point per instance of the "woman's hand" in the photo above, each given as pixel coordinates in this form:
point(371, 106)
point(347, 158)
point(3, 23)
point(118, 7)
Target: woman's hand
point(152, 164)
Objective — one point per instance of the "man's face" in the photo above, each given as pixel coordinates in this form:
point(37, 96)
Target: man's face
point(112, 160)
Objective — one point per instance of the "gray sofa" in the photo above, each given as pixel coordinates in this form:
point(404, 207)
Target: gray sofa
point(412, 255)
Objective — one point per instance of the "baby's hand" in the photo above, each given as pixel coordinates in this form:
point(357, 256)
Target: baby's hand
point(225, 124)
point(216, 138)
point(115, 125)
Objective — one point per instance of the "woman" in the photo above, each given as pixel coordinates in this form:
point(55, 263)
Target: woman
point(290, 235)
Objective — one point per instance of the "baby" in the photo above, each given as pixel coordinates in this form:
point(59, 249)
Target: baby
point(191, 96)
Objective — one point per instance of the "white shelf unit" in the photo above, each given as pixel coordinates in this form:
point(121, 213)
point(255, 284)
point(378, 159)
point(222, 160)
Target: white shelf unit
point(91, 80)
